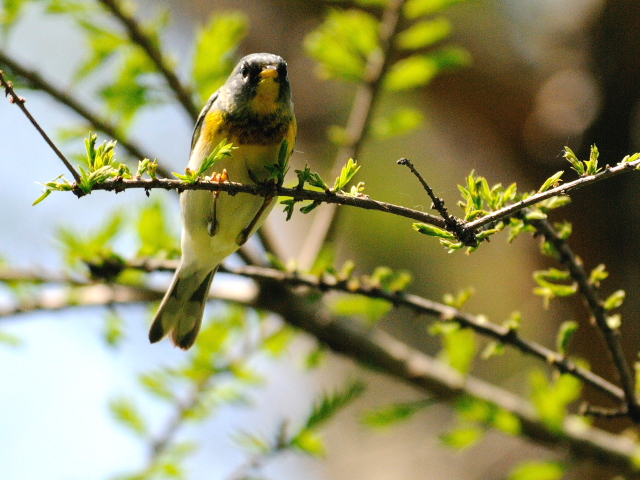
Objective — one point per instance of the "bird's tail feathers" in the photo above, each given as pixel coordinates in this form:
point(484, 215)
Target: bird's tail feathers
point(182, 308)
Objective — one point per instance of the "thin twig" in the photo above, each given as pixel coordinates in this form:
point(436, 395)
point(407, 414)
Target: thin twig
point(36, 81)
point(453, 224)
point(365, 99)
point(325, 283)
point(595, 306)
point(19, 101)
point(602, 412)
point(554, 192)
point(139, 37)
point(373, 347)
point(417, 304)
point(377, 349)
point(363, 202)
point(444, 312)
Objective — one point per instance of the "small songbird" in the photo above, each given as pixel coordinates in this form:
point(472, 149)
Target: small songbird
point(252, 110)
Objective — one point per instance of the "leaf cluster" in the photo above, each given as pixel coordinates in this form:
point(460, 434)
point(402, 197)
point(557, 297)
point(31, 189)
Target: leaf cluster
point(348, 41)
point(100, 166)
point(221, 151)
point(315, 182)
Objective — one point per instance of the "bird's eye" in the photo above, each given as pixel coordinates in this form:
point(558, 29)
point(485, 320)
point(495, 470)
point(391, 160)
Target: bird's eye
point(244, 69)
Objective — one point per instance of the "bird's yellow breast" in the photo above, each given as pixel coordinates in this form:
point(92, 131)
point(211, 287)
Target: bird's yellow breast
point(267, 93)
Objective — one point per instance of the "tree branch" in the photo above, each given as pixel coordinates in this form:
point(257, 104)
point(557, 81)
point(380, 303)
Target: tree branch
point(554, 192)
point(595, 306)
point(363, 202)
point(139, 37)
point(20, 101)
point(373, 347)
point(35, 80)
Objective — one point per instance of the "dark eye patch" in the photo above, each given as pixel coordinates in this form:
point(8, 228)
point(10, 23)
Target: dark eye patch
point(244, 69)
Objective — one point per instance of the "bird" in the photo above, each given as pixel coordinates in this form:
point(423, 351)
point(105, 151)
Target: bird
point(253, 110)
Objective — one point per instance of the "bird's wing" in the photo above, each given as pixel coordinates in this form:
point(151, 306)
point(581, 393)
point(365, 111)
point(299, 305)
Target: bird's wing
point(201, 117)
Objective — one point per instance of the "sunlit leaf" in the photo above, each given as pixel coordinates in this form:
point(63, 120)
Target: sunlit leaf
point(615, 300)
point(419, 8)
point(216, 46)
point(278, 342)
point(394, 413)
point(552, 398)
point(369, 309)
point(309, 442)
point(331, 403)
point(463, 437)
point(400, 122)
point(342, 44)
point(126, 412)
point(154, 234)
point(424, 34)
point(537, 470)
point(565, 333)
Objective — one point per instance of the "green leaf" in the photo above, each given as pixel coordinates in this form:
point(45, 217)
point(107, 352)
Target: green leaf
point(432, 231)
point(537, 470)
point(552, 398)
point(10, 13)
point(598, 274)
point(459, 349)
point(394, 413)
point(157, 383)
point(222, 150)
point(255, 444)
point(400, 122)
point(9, 339)
point(278, 342)
point(216, 46)
point(126, 412)
point(576, 164)
point(155, 238)
point(615, 300)
point(463, 437)
point(493, 349)
point(418, 70)
point(412, 72)
point(420, 8)
point(131, 90)
point(592, 164)
point(342, 44)
point(565, 333)
point(424, 34)
point(95, 246)
point(346, 174)
point(551, 181)
point(331, 403)
point(309, 442)
point(370, 310)
point(460, 299)
point(103, 43)
point(114, 330)
point(630, 158)
point(552, 274)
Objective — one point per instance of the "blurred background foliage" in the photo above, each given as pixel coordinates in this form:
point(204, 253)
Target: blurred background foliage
point(496, 86)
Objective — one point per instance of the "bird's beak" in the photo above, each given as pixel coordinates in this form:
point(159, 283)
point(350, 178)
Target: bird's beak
point(270, 71)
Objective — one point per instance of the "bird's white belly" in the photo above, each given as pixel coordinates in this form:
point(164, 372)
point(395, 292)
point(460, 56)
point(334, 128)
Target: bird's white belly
point(233, 213)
